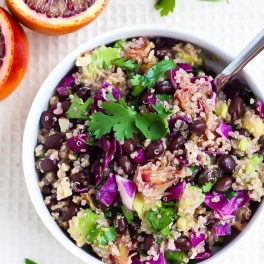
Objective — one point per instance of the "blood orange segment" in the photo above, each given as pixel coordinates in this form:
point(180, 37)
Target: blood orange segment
point(14, 53)
point(57, 16)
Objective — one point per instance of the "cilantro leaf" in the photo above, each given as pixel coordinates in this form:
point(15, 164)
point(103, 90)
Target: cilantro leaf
point(29, 261)
point(208, 186)
point(78, 109)
point(229, 194)
point(165, 97)
point(176, 257)
point(160, 219)
point(162, 112)
point(129, 215)
point(155, 72)
point(117, 117)
point(136, 83)
point(165, 6)
point(125, 63)
point(109, 235)
point(151, 125)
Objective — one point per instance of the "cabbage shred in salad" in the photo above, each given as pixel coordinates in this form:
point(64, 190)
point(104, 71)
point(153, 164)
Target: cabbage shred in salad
point(141, 160)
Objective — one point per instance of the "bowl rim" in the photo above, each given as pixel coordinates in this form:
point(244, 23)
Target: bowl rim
point(47, 89)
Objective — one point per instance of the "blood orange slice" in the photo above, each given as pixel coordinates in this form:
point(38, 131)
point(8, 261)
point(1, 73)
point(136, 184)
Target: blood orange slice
point(14, 53)
point(56, 17)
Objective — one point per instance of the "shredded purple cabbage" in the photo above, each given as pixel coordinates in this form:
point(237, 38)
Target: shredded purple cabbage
point(83, 190)
point(109, 191)
point(260, 108)
point(97, 173)
point(101, 96)
point(205, 255)
point(66, 84)
point(140, 157)
point(226, 206)
point(127, 190)
point(224, 217)
point(78, 143)
point(223, 129)
point(222, 230)
point(174, 192)
point(196, 240)
point(109, 154)
point(213, 96)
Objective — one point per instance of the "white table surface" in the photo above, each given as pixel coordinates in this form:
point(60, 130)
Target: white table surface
point(22, 234)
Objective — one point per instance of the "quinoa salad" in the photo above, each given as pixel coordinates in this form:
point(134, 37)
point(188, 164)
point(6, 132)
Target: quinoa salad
point(140, 161)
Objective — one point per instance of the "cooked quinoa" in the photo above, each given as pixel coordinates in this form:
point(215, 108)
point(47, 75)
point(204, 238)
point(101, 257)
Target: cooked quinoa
point(142, 161)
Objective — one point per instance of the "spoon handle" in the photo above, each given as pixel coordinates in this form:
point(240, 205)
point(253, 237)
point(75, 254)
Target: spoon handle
point(247, 54)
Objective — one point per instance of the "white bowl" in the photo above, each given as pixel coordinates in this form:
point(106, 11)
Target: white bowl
point(40, 103)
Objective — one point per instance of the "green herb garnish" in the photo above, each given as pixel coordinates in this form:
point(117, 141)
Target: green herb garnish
point(141, 82)
point(92, 234)
point(125, 63)
point(129, 215)
point(109, 235)
point(208, 186)
point(160, 218)
point(125, 122)
point(155, 72)
point(176, 257)
point(79, 109)
point(165, 6)
point(29, 261)
point(229, 194)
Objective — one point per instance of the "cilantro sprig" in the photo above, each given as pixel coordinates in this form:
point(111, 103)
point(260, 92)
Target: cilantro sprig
point(141, 82)
point(167, 6)
point(125, 63)
point(125, 121)
point(29, 261)
point(78, 108)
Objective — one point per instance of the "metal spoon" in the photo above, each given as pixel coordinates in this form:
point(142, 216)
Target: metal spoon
point(246, 55)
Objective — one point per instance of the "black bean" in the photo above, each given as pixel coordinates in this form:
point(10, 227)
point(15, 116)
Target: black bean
point(80, 179)
point(150, 242)
point(223, 184)
point(177, 142)
point(65, 104)
point(206, 176)
point(198, 127)
point(143, 98)
point(164, 87)
point(154, 149)
point(48, 120)
point(236, 108)
point(133, 234)
point(53, 202)
point(54, 141)
point(194, 175)
point(84, 93)
point(126, 164)
point(243, 132)
point(165, 52)
point(183, 243)
point(129, 146)
point(47, 165)
point(261, 140)
point(226, 163)
point(120, 224)
point(46, 190)
point(73, 210)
